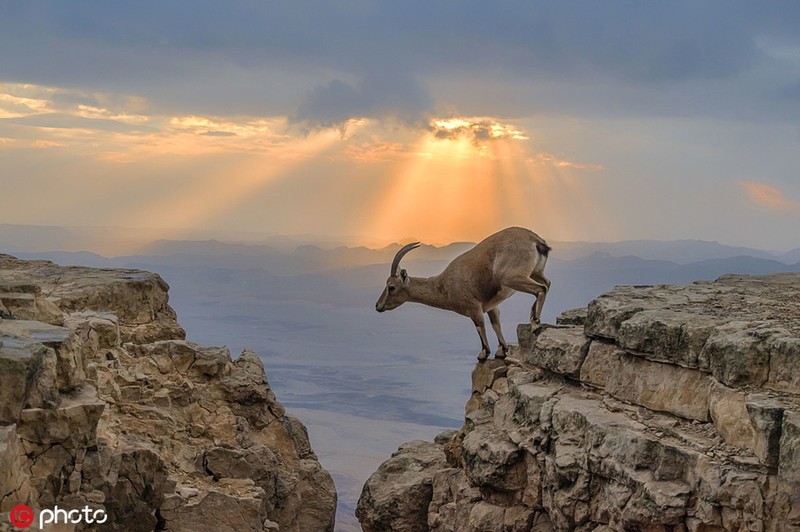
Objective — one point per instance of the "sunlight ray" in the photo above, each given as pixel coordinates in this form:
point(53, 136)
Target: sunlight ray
point(213, 193)
point(449, 189)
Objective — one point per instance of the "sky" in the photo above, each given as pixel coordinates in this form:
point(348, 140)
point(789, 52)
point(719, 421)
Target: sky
point(433, 120)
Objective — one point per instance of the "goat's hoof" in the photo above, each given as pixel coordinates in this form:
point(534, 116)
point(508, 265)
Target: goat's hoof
point(483, 355)
point(501, 353)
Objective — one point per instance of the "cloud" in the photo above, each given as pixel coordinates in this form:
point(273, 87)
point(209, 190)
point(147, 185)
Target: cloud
point(103, 126)
point(376, 150)
point(41, 106)
point(552, 160)
point(477, 130)
point(769, 197)
point(382, 97)
point(18, 100)
point(288, 58)
point(218, 134)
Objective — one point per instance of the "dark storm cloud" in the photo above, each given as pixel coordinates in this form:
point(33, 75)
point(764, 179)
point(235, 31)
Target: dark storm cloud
point(379, 96)
point(288, 57)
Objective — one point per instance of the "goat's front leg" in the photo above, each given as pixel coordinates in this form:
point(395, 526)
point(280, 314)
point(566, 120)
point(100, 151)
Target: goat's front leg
point(480, 326)
point(494, 319)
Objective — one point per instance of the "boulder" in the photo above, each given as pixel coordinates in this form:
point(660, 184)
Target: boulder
point(232, 507)
point(396, 497)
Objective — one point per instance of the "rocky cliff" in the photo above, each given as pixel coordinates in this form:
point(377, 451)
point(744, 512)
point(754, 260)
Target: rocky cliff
point(104, 403)
point(657, 408)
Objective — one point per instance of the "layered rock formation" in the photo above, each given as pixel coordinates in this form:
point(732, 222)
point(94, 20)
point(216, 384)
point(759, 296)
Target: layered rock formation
point(663, 408)
point(104, 403)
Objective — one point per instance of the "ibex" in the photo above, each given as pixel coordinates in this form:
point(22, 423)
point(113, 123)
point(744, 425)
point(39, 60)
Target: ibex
point(477, 281)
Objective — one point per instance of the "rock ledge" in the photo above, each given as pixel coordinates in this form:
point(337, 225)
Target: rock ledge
point(658, 408)
point(104, 403)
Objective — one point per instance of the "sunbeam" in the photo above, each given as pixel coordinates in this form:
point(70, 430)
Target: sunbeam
point(457, 186)
point(209, 195)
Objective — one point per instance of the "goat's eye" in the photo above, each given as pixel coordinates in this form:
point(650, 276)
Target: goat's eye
point(392, 288)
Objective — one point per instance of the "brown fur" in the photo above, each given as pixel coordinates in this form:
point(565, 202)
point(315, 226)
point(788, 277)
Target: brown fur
point(477, 281)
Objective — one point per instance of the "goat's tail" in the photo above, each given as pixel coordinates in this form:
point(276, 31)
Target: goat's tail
point(542, 248)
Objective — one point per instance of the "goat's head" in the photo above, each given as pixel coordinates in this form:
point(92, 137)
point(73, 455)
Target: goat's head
point(396, 291)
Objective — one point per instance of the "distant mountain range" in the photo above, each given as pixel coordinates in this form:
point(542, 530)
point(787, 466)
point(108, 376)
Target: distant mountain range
point(679, 251)
point(353, 276)
point(332, 257)
point(334, 251)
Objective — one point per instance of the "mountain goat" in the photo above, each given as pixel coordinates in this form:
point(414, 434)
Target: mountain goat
point(477, 281)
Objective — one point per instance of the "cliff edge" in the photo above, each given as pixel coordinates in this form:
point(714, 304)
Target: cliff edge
point(104, 404)
point(657, 408)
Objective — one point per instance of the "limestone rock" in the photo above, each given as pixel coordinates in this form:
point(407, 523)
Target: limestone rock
point(70, 367)
point(489, 459)
point(789, 464)
point(728, 411)
point(575, 316)
point(766, 417)
point(136, 489)
point(23, 300)
point(19, 363)
point(561, 350)
point(784, 362)
point(218, 510)
point(658, 386)
point(677, 337)
point(14, 479)
point(737, 355)
point(72, 425)
point(138, 299)
point(672, 408)
point(103, 402)
point(396, 497)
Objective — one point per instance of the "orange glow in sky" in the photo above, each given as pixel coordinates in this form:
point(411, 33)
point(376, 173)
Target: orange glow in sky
point(208, 196)
point(455, 178)
point(770, 197)
point(463, 188)
point(444, 188)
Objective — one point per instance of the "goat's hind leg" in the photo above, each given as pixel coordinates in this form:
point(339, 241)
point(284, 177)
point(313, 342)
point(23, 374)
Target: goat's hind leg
point(494, 319)
point(540, 298)
point(536, 286)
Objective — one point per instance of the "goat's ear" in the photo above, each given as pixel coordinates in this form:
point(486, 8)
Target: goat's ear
point(404, 276)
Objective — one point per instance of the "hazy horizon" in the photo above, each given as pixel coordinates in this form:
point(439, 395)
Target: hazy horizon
point(111, 242)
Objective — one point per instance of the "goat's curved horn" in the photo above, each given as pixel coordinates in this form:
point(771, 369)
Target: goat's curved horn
point(405, 249)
